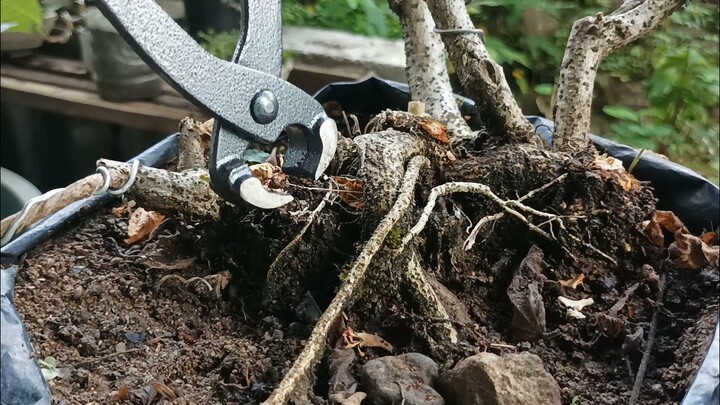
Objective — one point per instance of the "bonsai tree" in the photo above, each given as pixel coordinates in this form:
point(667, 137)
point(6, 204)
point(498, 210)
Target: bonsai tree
point(420, 198)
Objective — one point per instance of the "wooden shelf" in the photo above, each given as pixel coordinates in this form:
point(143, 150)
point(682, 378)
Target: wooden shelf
point(63, 86)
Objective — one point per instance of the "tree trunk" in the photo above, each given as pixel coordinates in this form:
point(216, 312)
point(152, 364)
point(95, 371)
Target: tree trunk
point(590, 41)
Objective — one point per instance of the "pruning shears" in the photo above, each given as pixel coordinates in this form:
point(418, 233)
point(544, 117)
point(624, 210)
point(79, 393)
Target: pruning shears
point(246, 96)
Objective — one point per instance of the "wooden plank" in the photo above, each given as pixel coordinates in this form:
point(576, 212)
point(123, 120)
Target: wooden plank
point(173, 99)
point(65, 67)
point(141, 115)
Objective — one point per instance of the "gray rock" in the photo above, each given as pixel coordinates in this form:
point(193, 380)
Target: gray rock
point(381, 378)
point(513, 379)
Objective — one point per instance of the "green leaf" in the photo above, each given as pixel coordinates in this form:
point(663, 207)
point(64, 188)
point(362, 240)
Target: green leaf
point(256, 156)
point(544, 89)
point(622, 113)
point(26, 14)
point(375, 17)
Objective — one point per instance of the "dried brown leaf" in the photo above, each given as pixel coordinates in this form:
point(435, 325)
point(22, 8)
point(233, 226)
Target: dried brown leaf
point(164, 391)
point(573, 282)
point(354, 399)
point(666, 220)
point(123, 394)
point(435, 130)
point(654, 233)
point(370, 340)
point(669, 222)
point(528, 323)
point(690, 252)
point(342, 382)
point(352, 191)
point(270, 175)
point(610, 325)
point(142, 223)
point(121, 210)
point(711, 238)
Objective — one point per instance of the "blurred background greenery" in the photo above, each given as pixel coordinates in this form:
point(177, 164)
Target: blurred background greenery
point(659, 94)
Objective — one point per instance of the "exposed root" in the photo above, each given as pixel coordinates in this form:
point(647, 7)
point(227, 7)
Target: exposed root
point(297, 380)
point(423, 291)
point(512, 207)
point(470, 241)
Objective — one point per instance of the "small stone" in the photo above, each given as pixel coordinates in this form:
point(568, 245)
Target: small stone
point(78, 293)
point(277, 334)
point(511, 379)
point(415, 372)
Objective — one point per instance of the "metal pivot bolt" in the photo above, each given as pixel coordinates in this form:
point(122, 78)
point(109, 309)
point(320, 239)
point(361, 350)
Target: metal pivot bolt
point(264, 107)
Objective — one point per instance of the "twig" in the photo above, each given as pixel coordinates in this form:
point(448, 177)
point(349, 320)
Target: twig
point(312, 353)
point(105, 357)
point(642, 368)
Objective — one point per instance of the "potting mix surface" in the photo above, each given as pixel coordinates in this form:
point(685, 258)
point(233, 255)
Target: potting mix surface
point(160, 319)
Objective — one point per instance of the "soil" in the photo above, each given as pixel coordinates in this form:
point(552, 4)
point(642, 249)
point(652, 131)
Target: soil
point(192, 307)
point(83, 302)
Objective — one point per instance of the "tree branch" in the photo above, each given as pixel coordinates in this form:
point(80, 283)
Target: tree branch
point(480, 75)
point(590, 41)
point(426, 69)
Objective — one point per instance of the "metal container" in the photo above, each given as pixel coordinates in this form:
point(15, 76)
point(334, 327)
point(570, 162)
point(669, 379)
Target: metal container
point(120, 74)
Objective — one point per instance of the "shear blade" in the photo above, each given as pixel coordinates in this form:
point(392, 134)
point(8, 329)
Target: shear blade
point(253, 192)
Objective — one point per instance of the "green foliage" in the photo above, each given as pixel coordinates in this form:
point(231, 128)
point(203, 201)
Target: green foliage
point(220, 44)
point(682, 90)
point(367, 17)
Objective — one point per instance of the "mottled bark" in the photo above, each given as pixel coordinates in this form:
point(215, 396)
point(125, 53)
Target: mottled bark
point(426, 69)
point(480, 75)
point(590, 41)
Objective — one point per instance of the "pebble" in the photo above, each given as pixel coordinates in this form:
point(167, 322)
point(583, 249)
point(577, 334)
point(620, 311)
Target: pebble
point(511, 379)
point(381, 379)
point(78, 293)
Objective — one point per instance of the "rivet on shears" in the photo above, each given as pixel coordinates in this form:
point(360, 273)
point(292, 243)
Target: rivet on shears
point(264, 107)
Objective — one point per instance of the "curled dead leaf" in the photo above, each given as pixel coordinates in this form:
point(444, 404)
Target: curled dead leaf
point(142, 223)
point(666, 220)
point(270, 175)
point(361, 339)
point(370, 340)
point(352, 191)
point(690, 252)
point(610, 325)
point(573, 282)
point(120, 211)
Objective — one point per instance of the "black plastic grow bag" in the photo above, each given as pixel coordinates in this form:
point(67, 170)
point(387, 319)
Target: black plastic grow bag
point(693, 198)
